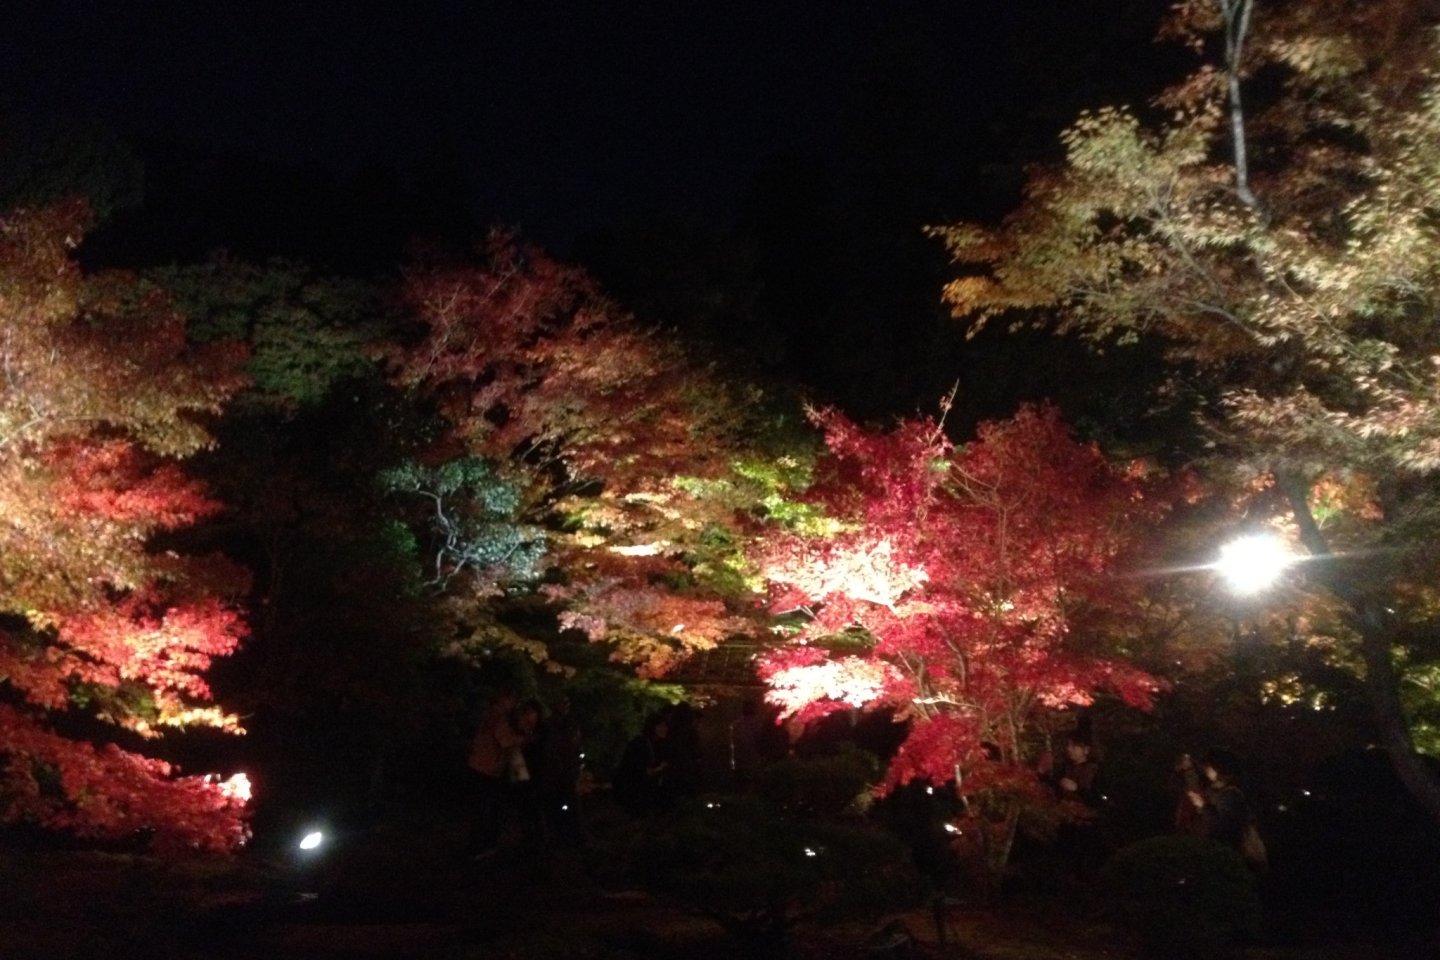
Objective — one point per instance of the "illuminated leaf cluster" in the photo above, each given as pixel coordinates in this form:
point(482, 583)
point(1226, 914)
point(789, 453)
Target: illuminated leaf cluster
point(100, 394)
point(975, 577)
point(615, 454)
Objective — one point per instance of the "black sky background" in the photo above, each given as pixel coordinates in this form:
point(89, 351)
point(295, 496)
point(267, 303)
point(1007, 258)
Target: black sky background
point(817, 136)
point(561, 116)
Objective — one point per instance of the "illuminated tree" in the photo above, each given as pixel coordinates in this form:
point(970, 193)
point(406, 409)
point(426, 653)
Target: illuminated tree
point(105, 631)
point(966, 588)
point(570, 427)
point(1286, 259)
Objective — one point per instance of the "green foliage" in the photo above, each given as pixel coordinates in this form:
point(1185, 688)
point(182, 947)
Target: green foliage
point(306, 333)
point(1421, 695)
point(1186, 897)
point(471, 521)
point(780, 482)
point(44, 162)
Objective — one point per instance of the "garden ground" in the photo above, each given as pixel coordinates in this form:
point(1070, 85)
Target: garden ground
point(401, 892)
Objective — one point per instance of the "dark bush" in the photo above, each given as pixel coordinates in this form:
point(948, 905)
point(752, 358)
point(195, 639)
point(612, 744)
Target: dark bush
point(822, 786)
point(758, 870)
point(1186, 897)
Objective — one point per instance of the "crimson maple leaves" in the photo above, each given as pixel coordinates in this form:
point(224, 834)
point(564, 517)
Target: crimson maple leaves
point(967, 588)
point(99, 630)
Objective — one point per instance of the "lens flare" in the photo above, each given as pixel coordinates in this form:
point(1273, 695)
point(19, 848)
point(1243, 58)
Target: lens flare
point(1250, 564)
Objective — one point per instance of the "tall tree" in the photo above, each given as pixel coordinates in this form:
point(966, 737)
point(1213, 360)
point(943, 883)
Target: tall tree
point(1285, 255)
point(966, 588)
point(343, 638)
point(105, 630)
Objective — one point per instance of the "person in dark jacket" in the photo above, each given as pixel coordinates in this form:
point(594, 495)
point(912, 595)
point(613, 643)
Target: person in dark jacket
point(1221, 809)
point(640, 778)
point(1076, 782)
point(558, 777)
point(491, 751)
point(1077, 777)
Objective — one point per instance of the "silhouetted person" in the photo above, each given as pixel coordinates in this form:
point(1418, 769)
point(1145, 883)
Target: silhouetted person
point(1221, 806)
point(680, 750)
point(640, 778)
point(1185, 780)
point(1076, 777)
point(491, 754)
point(522, 788)
point(1076, 782)
point(746, 734)
point(558, 774)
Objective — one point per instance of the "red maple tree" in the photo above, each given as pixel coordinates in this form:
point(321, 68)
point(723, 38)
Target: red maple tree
point(104, 636)
point(966, 588)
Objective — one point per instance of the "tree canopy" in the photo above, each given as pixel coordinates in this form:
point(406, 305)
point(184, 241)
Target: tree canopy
point(100, 625)
point(1284, 257)
point(967, 589)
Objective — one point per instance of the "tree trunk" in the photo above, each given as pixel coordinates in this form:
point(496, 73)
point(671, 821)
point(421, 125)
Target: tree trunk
point(1237, 22)
point(1376, 626)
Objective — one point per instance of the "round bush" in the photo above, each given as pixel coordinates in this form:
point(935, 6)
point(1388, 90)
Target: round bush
point(1186, 897)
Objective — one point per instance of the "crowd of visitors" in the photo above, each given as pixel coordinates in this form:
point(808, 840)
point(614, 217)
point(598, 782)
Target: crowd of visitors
point(526, 763)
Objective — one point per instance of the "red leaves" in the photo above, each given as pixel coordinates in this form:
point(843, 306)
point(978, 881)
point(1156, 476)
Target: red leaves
point(111, 794)
point(167, 650)
point(525, 353)
point(595, 419)
point(100, 393)
point(973, 570)
point(113, 481)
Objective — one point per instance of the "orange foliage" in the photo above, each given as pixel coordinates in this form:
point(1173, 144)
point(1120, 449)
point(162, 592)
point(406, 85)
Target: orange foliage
point(101, 395)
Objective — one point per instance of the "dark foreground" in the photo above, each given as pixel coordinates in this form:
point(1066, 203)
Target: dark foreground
point(401, 892)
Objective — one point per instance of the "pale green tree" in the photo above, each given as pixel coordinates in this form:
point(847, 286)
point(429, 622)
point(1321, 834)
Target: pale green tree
point(1285, 258)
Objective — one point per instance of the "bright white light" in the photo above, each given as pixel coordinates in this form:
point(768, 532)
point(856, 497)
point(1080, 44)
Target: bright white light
point(238, 787)
point(640, 550)
point(810, 853)
point(1253, 563)
point(930, 790)
point(951, 828)
point(312, 840)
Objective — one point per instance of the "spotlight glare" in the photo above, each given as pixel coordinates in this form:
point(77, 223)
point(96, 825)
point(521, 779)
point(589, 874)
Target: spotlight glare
point(1250, 564)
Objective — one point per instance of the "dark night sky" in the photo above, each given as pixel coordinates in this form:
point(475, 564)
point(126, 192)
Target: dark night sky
point(753, 174)
point(563, 116)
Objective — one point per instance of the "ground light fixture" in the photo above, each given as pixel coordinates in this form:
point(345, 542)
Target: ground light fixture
point(1252, 563)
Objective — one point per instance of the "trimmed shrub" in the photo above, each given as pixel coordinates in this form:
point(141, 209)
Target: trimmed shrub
point(1185, 897)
